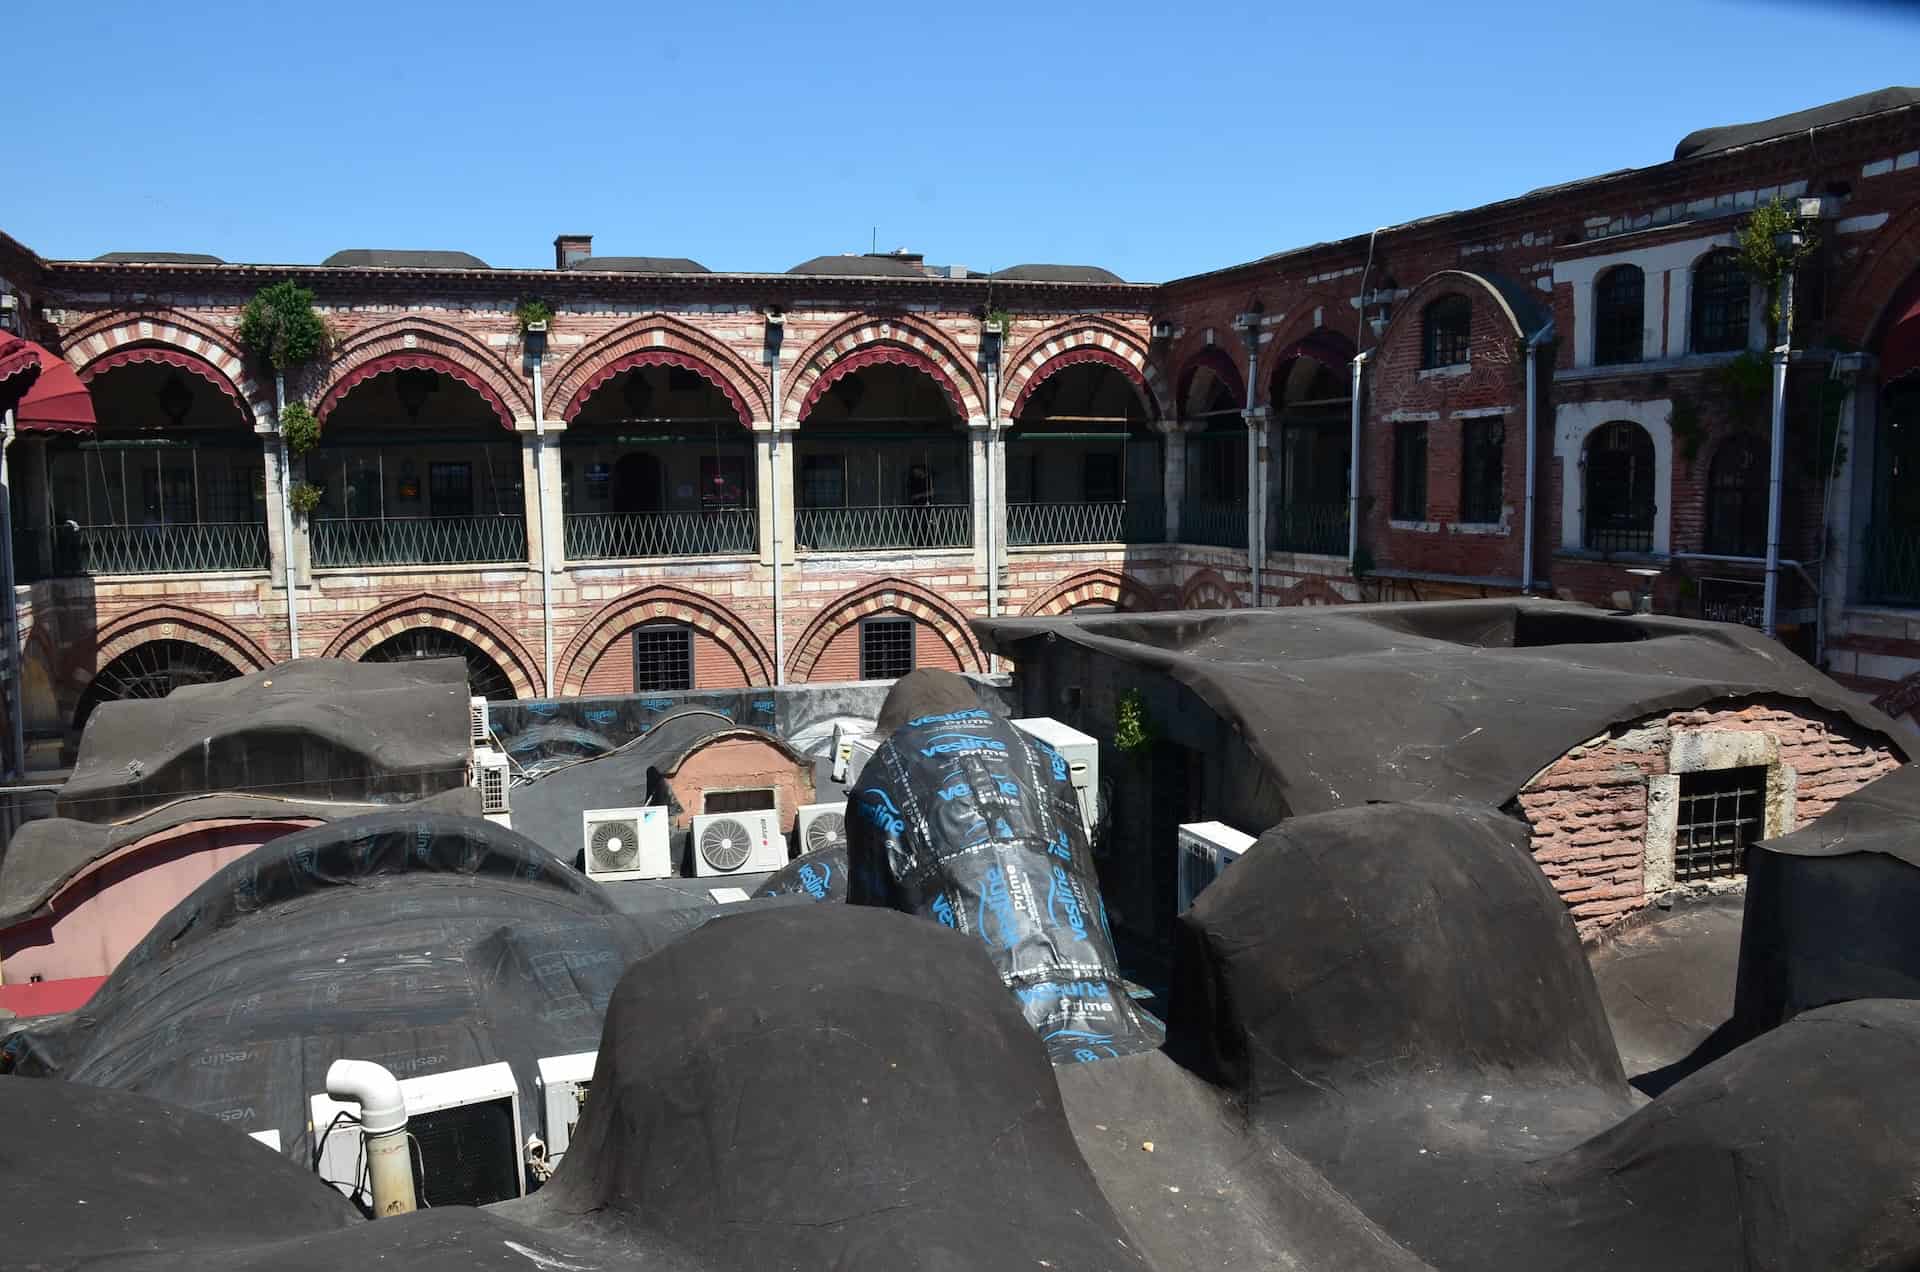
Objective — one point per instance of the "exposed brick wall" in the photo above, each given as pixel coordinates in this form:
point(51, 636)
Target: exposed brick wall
point(1588, 809)
point(840, 660)
point(736, 764)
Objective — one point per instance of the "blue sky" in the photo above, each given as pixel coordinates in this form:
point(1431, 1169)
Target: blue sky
point(1155, 139)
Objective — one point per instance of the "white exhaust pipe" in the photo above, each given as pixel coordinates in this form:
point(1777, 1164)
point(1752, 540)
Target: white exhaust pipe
point(383, 1123)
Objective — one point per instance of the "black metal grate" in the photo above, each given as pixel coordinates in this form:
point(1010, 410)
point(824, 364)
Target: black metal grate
point(662, 659)
point(1410, 471)
point(1483, 471)
point(751, 800)
point(1620, 503)
point(152, 670)
point(465, 1156)
point(484, 677)
point(1722, 296)
point(1447, 332)
point(1721, 812)
point(1619, 315)
point(886, 648)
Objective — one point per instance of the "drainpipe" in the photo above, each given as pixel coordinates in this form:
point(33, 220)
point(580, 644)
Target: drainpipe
point(383, 1124)
point(538, 351)
point(990, 344)
point(1770, 609)
point(1353, 468)
point(1256, 511)
point(16, 726)
point(1534, 342)
point(775, 328)
point(286, 514)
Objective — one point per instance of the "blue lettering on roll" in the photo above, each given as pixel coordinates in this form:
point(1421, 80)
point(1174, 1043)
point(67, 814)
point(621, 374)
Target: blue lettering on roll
point(1060, 891)
point(877, 808)
point(948, 718)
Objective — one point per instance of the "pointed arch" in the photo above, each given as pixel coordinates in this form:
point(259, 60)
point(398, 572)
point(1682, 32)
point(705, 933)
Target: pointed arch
point(146, 625)
point(894, 594)
point(429, 609)
point(1096, 586)
point(425, 342)
point(891, 338)
point(120, 336)
point(1891, 259)
point(660, 601)
point(1085, 339)
point(1217, 360)
point(655, 339)
point(1206, 589)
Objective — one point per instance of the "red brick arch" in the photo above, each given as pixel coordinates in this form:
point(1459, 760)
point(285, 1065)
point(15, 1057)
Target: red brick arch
point(1098, 586)
point(920, 341)
point(1303, 330)
point(899, 596)
point(1891, 258)
point(1310, 589)
point(1223, 365)
point(1476, 287)
point(1092, 339)
point(657, 338)
point(158, 622)
point(437, 345)
point(1208, 590)
point(426, 609)
point(651, 604)
point(115, 334)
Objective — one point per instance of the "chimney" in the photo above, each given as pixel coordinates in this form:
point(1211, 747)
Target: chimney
point(570, 249)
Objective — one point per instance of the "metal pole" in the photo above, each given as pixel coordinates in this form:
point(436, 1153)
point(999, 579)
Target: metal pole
point(1353, 468)
point(546, 546)
point(773, 509)
point(1256, 514)
point(1770, 609)
point(286, 514)
point(16, 705)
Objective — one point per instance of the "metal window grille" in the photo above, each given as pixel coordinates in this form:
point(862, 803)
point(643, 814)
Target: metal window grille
point(1483, 471)
point(1619, 315)
point(1410, 471)
point(662, 659)
point(747, 801)
point(886, 648)
point(1619, 489)
point(1721, 295)
point(1737, 500)
point(1721, 812)
point(1447, 332)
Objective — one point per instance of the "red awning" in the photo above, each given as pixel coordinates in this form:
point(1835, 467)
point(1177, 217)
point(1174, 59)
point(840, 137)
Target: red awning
point(57, 402)
point(1900, 351)
point(17, 356)
point(190, 363)
point(49, 998)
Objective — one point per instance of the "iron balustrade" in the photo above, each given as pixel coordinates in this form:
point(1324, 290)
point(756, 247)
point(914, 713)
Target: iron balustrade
point(1308, 527)
point(1106, 522)
point(606, 536)
point(190, 547)
point(1620, 536)
point(1893, 564)
point(418, 540)
point(888, 526)
point(1221, 523)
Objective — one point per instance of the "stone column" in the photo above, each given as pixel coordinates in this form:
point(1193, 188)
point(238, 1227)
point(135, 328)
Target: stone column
point(1257, 489)
point(769, 472)
point(1173, 458)
point(532, 460)
point(277, 546)
point(979, 445)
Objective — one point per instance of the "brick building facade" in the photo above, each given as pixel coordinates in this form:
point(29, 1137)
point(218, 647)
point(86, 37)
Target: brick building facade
point(858, 429)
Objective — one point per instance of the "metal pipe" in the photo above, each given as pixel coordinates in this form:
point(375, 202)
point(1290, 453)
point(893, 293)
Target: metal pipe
point(1534, 342)
point(383, 1124)
point(994, 522)
point(773, 509)
point(286, 513)
point(1770, 607)
point(1353, 468)
point(546, 545)
point(16, 677)
point(1256, 512)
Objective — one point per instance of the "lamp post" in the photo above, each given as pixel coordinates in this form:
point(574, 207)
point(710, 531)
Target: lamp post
point(1788, 243)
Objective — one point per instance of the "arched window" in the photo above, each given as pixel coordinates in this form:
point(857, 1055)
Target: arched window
point(485, 679)
point(1619, 315)
point(1737, 499)
point(1446, 330)
point(1721, 295)
point(1619, 488)
point(152, 670)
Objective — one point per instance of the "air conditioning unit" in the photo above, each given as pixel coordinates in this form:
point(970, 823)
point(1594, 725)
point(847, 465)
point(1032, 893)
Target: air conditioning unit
point(1206, 848)
point(626, 843)
point(1082, 756)
point(564, 1082)
point(465, 1126)
point(821, 826)
point(480, 729)
point(491, 776)
point(851, 751)
point(738, 843)
point(1163, 331)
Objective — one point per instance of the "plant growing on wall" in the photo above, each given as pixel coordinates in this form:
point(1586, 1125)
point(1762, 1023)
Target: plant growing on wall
point(300, 427)
point(531, 310)
point(1765, 261)
point(1132, 727)
point(1000, 320)
point(280, 327)
point(305, 497)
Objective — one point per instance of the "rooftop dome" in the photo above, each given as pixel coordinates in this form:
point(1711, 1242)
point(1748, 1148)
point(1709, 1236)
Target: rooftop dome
point(853, 266)
point(388, 258)
point(1056, 274)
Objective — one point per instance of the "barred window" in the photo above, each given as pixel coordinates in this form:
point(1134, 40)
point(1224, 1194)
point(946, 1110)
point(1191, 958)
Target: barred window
point(1721, 294)
point(1619, 488)
point(886, 648)
point(1737, 499)
point(1446, 332)
point(662, 658)
point(1410, 471)
point(1483, 471)
point(1721, 812)
point(1619, 315)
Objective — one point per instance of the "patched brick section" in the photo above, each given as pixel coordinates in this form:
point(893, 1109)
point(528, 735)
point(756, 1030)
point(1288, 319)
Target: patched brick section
point(715, 666)
point(840, 660)
point(1588, 809)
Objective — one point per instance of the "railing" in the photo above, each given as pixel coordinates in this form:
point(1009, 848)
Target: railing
point(1625, 537)
point(185, 548)
point(602, 536)
point(896, 526)
point(1892, 572)
point(418, 540)
point(1219, 522)
point(1308, 527)
point(1142, 521)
